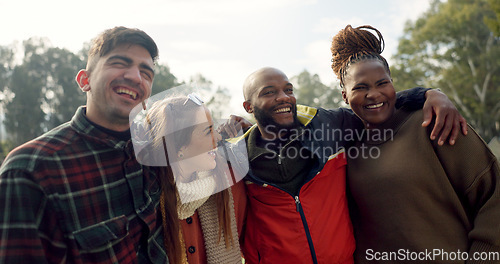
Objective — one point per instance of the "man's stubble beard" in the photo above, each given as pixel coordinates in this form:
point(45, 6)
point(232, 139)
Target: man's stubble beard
point(270, 125)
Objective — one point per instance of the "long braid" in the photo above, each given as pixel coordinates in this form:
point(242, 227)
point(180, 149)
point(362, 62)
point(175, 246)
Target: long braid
point(352, 45)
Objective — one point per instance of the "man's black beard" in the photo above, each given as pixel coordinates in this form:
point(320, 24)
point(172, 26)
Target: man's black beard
point(270, 125)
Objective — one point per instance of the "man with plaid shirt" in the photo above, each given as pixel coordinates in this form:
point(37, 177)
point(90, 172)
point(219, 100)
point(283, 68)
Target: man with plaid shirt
point(77, 193)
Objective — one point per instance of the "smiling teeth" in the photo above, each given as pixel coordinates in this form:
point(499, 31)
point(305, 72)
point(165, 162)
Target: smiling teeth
point(374, 106)
point(126, 91)
point(283, 110)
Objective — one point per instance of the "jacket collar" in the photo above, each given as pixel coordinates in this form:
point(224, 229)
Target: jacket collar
point(305, 114)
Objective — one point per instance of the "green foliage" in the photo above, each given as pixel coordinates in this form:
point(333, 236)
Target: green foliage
point(164, 79)
point(24, 116)
point(200, 83)
point(218, 103)
point(43, 89)
point(450, 47)
point(62, 94)
point(311, 91)
point(494, 23)
point(218, 100)
point(6, 65)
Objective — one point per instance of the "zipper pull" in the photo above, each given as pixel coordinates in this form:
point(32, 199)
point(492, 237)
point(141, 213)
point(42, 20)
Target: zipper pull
point(279, 159)
point(297, 202)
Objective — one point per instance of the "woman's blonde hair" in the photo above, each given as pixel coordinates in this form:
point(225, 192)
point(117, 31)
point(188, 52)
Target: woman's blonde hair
point(164, 118)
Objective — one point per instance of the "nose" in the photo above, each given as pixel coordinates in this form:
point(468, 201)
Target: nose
point(372, 93)
point(216, 138)
point(282, 97)
point(133, 74)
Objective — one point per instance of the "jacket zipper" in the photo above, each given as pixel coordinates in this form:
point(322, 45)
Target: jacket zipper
point(297, 204)
point(306, 229)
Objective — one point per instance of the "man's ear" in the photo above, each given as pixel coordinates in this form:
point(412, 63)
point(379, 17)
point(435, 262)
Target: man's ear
point(344, 96)
point(82, 78)
point(248, 107)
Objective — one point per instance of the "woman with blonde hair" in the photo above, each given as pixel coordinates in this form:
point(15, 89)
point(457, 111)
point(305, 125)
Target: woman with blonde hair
point(202, 213)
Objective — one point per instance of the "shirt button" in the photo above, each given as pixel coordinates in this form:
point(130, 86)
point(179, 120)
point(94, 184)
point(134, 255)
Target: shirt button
point(189, 220)
point(191, 249)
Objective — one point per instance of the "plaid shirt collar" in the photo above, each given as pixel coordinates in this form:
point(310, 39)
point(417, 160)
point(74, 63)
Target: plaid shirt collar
point(83, 126)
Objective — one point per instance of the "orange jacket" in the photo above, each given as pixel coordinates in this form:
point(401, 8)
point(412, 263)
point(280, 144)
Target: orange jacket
point(280, 227)
point(312, 226)
point(193, 234)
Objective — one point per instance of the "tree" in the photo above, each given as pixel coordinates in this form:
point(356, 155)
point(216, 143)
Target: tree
point(311, 91)
point(200, 84)
point(218, 100)
point(23, 114)
point(494, 23)
point(450, 47)
point(6, 65)
point(218, 103)
point(164, 79)
point(62, 95)
point(44, 90)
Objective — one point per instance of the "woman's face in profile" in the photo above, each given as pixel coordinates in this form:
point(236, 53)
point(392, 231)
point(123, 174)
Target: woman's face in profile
point(200, 153)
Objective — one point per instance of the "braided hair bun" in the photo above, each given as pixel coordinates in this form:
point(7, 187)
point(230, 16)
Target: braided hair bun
point(352, 45)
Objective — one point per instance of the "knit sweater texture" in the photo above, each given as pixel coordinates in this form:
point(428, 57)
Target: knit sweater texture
point(200, 231)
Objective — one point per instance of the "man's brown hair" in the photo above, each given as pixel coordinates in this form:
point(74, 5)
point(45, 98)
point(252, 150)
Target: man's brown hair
point(114, 37)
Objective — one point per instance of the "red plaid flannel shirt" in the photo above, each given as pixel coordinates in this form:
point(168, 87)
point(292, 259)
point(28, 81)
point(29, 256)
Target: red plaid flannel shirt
point(78, 195)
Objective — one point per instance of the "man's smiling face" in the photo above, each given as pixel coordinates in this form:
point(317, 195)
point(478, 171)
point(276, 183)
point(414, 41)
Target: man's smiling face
point(272, 100)
point(119, 81)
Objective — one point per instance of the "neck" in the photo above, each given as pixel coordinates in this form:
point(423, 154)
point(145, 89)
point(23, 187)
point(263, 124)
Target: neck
point(379, 125)
point(117, 125)
point(368, 125)
point(272, 135)
point(183, 173)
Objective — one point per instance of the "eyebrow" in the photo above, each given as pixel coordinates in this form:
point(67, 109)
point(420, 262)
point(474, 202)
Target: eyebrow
point(129, 61)
point(120, 57)
point(360, 83)
point(366, 84)
point(263, 89)
point(272, 86)
point(381, 80)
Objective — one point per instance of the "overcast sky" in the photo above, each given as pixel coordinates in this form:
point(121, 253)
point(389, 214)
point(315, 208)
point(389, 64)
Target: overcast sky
point(224, 40)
